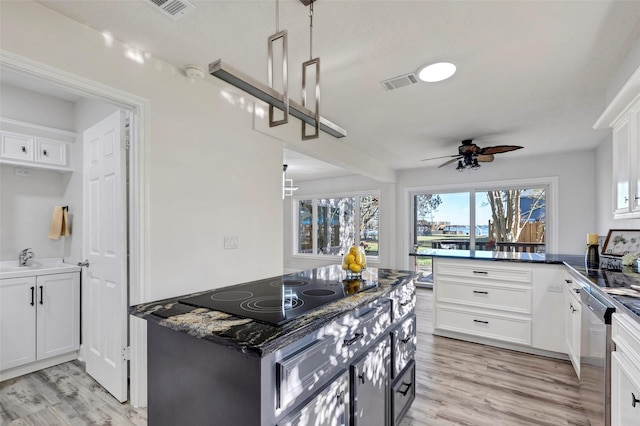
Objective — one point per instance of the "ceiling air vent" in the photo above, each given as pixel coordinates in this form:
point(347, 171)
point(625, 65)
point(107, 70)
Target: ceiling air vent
point(400, 81)
point(174, 9)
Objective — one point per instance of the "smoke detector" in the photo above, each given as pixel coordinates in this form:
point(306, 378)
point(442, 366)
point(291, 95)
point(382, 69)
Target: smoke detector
point(174, 9)
point(194, 71)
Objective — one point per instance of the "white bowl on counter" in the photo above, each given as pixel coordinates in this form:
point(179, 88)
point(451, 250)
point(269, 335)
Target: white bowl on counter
point(34, 267)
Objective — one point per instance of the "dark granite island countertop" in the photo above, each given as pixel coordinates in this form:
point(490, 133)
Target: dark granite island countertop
point(258, 339)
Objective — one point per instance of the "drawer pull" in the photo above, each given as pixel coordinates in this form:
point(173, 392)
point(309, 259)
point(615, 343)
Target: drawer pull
point(481, 322)
point(41, 295)
point(350, 342)
point(361, 377)
point(576, 290)
point(405, 303)
point(340, 397)
point(33, 294)
point(44, 152)
point(406, 340)
point(481, 272)
point(408, 386)
point(568, 281)
point(572, 308)
point(24, 149)
point(480, 292)
point(634, 400)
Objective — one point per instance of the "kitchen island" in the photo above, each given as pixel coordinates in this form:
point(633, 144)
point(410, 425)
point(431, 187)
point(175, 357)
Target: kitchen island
point(349, 358)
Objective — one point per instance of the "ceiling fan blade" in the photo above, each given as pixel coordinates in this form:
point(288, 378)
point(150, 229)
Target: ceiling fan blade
point(453, 160)
point(498, 149)
point(437, 158)
point(485, 158)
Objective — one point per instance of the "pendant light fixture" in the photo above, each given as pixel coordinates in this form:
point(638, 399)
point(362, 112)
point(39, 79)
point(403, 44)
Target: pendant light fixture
point(278, 100)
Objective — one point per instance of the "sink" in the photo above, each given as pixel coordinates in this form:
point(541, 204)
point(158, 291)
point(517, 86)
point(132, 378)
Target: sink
point(10, 268)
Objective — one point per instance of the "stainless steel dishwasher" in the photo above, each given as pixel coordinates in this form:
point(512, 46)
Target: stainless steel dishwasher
point(595, 358)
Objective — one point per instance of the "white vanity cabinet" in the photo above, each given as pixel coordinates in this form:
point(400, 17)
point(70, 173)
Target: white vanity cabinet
point(625, 372)
point(34, 146)
point(39, 322)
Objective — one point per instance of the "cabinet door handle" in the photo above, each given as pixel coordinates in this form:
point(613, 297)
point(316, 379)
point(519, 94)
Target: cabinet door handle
point(24, 149)
point(481, 272)
point(480, 292)
point(44, 152)
point(626, 200)
point(33, 296)
point(350, 342)
point(481, 322)
point(568, 281)
point(340, 397)
point(408, 386)
point(634, 400)
point(41, 295)
point(406, 340)
point(405, 303)
point(637, 197)
point(361, 377)
point(572, 308)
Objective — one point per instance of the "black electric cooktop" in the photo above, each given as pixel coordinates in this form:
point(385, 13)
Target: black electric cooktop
point(278, 300)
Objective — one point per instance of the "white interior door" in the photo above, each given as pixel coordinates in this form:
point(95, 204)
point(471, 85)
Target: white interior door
point(105, 280)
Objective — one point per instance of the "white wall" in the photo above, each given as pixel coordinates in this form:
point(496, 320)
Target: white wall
point(26, 202)
point(210, 174)
point(338, 186)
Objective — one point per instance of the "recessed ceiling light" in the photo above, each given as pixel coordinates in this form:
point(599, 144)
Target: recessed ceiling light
point(436, 72)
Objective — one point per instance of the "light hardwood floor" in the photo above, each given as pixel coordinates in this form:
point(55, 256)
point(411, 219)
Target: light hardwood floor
point(459, 383)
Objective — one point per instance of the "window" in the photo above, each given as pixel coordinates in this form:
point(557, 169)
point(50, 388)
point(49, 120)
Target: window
point(327, 226)
point(494, 218)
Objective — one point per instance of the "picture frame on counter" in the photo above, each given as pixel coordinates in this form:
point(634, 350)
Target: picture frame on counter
point(621, 241)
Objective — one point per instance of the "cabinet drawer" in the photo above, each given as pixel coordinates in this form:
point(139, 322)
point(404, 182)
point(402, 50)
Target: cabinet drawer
point(403, 342)
point(403, 300)
point(403, 393)
point(329, 407)
point(303, 371)
point(626, 334)
point(484, 271)
point(494, 326)
point(506, 298)
point(625, 392)
point(51, 152)
point(16, 147)
point(363, 329)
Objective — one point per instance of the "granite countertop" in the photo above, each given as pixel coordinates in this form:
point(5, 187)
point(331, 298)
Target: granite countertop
point(614, 285)
point(259, 339)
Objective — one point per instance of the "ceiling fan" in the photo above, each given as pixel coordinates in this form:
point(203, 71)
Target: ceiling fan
point(470, 155)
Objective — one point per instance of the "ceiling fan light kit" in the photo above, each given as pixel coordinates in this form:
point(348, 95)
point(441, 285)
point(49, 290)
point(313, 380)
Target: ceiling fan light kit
point(471, 155)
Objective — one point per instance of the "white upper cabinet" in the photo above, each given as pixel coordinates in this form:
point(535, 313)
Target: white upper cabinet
point(623, 116)
point(32, 145)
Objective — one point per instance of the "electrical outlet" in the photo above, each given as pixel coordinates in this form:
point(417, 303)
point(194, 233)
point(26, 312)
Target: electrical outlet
point(231, 242)
point(19, 171)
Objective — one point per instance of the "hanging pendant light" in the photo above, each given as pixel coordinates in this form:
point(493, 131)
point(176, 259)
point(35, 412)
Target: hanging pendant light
point(305, 66)
point(278, 100)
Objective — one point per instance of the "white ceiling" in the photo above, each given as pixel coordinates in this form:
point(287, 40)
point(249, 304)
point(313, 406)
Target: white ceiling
point(530, 73)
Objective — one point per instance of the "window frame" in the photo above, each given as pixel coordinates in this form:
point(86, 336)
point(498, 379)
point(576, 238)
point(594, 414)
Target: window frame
point(551, 211)
point(295, 204)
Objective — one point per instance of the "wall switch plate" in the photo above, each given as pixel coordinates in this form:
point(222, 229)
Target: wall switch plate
point(19, 171)
point(231, 242)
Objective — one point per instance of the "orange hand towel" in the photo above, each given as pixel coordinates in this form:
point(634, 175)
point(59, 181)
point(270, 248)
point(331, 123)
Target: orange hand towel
point(59, 224)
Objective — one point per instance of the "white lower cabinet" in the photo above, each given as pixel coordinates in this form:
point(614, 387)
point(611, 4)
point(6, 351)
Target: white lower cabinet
point(625, 372)
point(573, 321)
point(39, 318)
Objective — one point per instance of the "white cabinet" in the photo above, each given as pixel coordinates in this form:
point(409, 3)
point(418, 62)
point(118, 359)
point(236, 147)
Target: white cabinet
point(39, 319)
point(483, 299)
point(623, 116)
point(625, 372)
point(573, 321)
point(17, 322)
point(547, 312)
point(34, 146)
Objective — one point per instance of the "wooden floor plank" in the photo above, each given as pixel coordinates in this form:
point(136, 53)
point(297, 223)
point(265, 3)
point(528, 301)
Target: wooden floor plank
point(458, 383)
